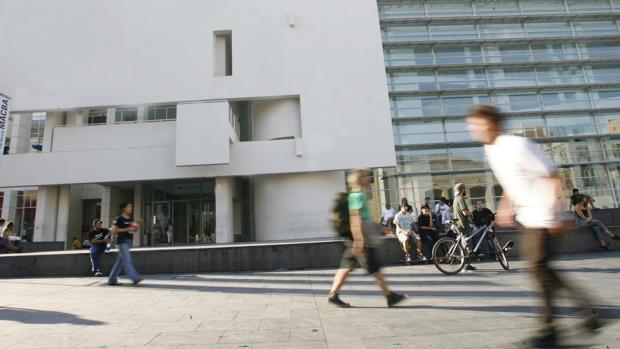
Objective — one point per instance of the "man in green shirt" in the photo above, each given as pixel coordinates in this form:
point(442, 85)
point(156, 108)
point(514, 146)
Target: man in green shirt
point(361, 251)
point(462, 214)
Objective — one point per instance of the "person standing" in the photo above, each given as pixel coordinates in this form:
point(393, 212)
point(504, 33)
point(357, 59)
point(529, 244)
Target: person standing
point(156, 231)
point(98, 237)
point(441, 207)
point(170, 232)
point(462, 214)
point(534, 191)
point(360, 251)
point(124, 226)
point(483, 216)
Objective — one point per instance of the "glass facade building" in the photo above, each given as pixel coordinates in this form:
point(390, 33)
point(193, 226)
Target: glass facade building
point(552, 66)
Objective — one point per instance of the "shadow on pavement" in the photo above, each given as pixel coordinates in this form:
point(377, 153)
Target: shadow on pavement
point(33, 316)
point(607, 311)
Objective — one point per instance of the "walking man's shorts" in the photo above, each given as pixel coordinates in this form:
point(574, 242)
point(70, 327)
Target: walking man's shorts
point(369, 260)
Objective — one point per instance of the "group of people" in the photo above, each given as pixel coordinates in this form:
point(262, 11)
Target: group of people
point(433, 223)
point(533, 201)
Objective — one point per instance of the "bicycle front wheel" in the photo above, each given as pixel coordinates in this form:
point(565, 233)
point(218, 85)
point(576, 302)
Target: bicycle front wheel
point(501, 256)
point(448, 256)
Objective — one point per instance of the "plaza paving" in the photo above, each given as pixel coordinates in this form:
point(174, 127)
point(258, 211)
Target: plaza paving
point(287, 309)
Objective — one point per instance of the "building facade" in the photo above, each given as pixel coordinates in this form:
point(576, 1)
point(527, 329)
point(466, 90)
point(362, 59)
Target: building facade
point(228, 120)
point(552, 66)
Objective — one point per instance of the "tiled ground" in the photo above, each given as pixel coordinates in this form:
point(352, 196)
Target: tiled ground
point(485, 309)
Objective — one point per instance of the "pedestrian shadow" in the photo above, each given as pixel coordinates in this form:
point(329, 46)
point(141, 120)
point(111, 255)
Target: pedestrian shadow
point(606, 311)
point(34, 317)
point(589, 270)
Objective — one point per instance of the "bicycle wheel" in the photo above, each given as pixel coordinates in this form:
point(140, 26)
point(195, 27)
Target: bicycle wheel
point(448, 256)
point(501, 256)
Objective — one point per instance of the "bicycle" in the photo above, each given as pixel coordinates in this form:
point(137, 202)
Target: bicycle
point(450, 252)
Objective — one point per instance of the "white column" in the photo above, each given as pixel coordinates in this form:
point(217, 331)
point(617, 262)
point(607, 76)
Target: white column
point(46, 214)
point(138, 213)
point(224, 222)
point(76, 117)
point(62, 220)
point(20, 134)
point(9, 205)
point(141, 113)
point(107, 210)
point(51, 121)
point(111, 115)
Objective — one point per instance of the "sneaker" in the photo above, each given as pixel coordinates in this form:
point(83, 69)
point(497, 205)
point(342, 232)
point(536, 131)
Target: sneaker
point(108, 246)
point(114, 283)
point(543, 340)
point(137, 281)
point(508, 246)
point(395, 298)
point(98, 274)
point(422, 258)
point(335, 300)
point(407, 259)
point(470, 267)
point(592, 323)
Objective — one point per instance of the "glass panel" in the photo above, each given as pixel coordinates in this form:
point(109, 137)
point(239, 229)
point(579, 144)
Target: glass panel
point(479, 186)
point(569, 125)
point(611, 148)
point(585, 6)
point(608, 73)
point(423, 79)
point(126, 115)
point(496, 7)
point(575, 151)
point(543, 6)
point(560, 75)
point(419, 133)
point(425, 160)
point(459, 105)
point(600, 50)
point(566, 100)
point(458, 54)
point(512, 77)
point(467, 158)
point(415, 106)
point(506, 53)
point(470, 78)
point(403, 10)
point(501, 30)
point(530, 127)
point(609, 123)
point(606, 98)
point(37, 130)
point(453, 32)
point(548, 29)
point(592, 28)
point(97, 117)
point(456, 131)
point(416, 188)
point(449, 8)
point(404, 33)
point(518, 101)
point(408, 56)
point(554, 52)
point(614, 176)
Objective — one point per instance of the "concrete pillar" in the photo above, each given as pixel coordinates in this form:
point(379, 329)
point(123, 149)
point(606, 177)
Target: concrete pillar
point(76, 117)
point(51, 121)
point(46, 214)
point(224, 221)
point(9, 205)
point(141, 113)
point(138, 213)
point(64, 211)
point(20, 133)
point(76, 208)
point(111, 114)
point(107, 210)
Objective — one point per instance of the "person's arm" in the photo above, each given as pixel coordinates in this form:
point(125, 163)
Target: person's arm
point(505, 212)
point(578, 212)
point(589, 217)
point(117, 230)
point(355, 221)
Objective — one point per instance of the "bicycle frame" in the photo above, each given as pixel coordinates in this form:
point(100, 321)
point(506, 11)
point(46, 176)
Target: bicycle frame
point(462, 239)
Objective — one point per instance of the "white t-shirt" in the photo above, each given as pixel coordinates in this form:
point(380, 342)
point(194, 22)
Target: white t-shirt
point(404, 220)
point(522, 168)
point(440, 208)
point(387, 214)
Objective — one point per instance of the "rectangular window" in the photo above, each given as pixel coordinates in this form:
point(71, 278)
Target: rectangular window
point(606, 98)
point(404, 33)
point(570, 125)
point(37, 131)
point(97, 117)
point(560, 75)
point(609, 123)
point(530, 127)
point(548, 29)
point(467, 158)
point(458, 54)
point(456, 131)
point(592, 28)
point(423, 132)
point(123, 115)
point(461, 78)
point(511, 77)
point(415, 106)
point(161, 112)
point(459, 105)
point(223, 53)
point(607, 73)
point(453, 32)
point(600, 50)
point(496, 7)
point(519, 102)
point(506, 53)
point(24, 214)
point(448, 8)
point(404, 10)
point(566, 100)
point(586, 6)
point(501, 30)
point(423, 161)
point(408, 56)
point(423, 79)
point(543, 6)
point(554, 52)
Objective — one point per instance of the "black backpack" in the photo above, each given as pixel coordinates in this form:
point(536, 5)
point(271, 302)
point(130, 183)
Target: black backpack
point(339, 216)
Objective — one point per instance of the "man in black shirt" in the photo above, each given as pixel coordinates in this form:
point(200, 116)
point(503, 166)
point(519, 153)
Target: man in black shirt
point(98, 238)
point(124, 226)
point(482, 216)
point(428, 230)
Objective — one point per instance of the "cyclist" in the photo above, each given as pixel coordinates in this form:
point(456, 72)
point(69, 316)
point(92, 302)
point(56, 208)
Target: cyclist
point(462, 214)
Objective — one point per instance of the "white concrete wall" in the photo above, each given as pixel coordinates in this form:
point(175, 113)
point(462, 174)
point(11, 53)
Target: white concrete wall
point(295, 206)
point(332, 59)
point(276, 119)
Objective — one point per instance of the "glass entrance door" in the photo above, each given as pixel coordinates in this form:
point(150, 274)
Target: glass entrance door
point(180, 219)
point(161, 219)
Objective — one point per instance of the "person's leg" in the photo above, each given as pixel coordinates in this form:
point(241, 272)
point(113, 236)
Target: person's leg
point(116, 269)
point(339, 279)
point(406, 245)
point(130, 270)
point(382, 283)
point(94, 259)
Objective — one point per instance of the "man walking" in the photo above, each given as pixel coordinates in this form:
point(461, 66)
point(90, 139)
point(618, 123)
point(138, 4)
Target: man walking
point(124, 226)
point(533, 190)
point(361, 251)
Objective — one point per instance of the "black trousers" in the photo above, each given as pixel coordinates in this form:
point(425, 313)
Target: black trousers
point(537, 249)
point(428, 238)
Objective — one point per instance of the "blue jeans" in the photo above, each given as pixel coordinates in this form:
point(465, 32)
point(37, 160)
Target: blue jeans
point(95, 253)
point(123, 259)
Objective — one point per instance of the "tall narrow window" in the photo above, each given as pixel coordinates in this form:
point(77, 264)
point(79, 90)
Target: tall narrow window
point(223, 53)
